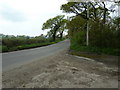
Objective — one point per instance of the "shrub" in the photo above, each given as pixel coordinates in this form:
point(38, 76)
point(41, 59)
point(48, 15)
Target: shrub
point(4, 48)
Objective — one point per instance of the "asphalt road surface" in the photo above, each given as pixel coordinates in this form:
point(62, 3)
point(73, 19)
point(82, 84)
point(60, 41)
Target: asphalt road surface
point(14, 59)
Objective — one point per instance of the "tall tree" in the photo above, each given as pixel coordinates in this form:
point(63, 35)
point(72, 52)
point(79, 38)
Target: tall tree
point(63, 28)
point(80, 9)
point(76, 8)
point(53, 24)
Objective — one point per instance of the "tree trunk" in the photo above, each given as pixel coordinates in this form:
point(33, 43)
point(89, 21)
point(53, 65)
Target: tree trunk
point(54, 36)
point(55, 30)
point(104, 13)
point(61, 35)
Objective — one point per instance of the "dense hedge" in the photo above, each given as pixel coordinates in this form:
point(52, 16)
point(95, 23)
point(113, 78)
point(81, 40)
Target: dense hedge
point(12, 43)
point(103, 38)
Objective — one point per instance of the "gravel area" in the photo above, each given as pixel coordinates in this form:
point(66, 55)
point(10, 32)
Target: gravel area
point(62, 71)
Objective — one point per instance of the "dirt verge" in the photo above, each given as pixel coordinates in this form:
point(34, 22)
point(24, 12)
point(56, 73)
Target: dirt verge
point(62, 71)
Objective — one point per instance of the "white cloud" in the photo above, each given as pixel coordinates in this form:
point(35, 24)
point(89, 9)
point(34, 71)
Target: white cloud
point(25, 17)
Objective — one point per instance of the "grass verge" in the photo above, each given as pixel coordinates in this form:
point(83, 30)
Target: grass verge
point(105, 55)
point(27, 46)
point(97, 50)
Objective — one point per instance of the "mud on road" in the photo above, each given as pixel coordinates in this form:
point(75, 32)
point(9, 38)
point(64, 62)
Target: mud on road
point(62, 71)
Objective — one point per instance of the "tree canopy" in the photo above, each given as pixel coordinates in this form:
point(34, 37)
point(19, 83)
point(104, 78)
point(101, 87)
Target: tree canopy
point(54, 24)
point(92, 17)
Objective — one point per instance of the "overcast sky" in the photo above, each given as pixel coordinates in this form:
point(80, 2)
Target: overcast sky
point(25, 17)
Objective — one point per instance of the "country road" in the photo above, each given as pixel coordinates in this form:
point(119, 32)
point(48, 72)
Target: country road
point(14, 59)
point(53, 67)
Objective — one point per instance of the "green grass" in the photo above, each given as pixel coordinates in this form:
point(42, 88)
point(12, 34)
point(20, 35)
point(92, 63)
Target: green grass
point(34, 45)
point(27, 46)
point(97, 50)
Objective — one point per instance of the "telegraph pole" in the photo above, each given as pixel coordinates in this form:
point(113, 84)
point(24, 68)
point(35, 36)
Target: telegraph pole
point(87, 33)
